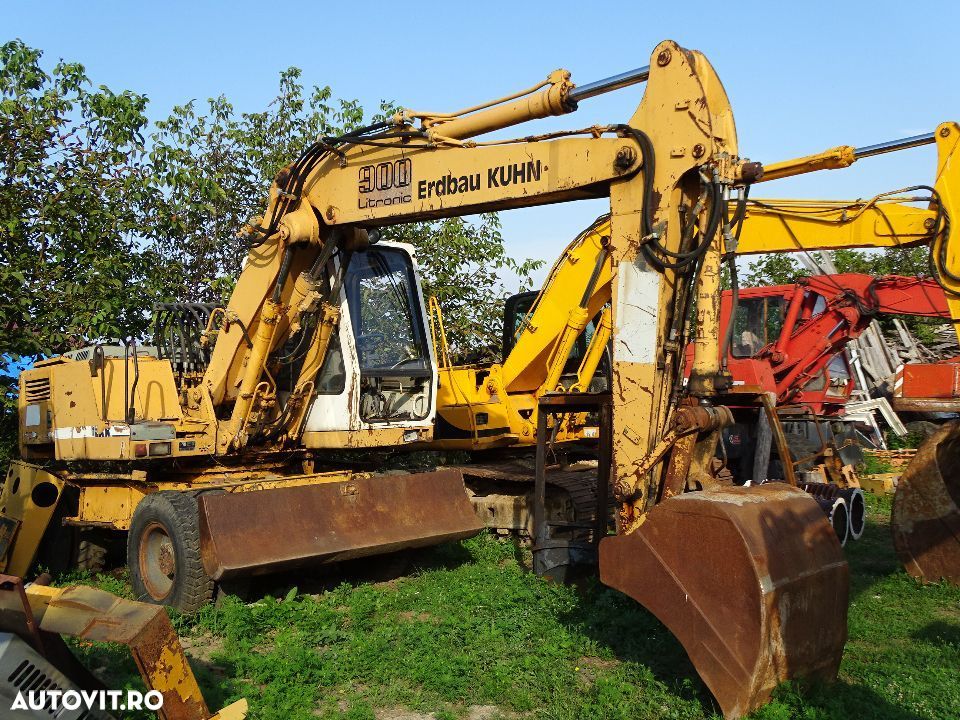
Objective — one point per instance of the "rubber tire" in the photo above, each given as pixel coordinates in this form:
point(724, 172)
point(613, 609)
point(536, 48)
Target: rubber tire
point(178, 514)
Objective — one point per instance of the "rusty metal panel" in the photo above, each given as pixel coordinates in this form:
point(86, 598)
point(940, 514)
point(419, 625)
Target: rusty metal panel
point(256, 532)
point(752, 581)
point(926, 509)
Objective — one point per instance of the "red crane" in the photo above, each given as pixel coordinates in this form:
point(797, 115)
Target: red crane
point(789, 339)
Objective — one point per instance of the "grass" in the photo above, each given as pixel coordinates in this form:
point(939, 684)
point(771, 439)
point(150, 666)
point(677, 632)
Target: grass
point(470, 626)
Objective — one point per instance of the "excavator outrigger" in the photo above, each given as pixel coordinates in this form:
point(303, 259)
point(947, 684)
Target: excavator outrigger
point(209, 448)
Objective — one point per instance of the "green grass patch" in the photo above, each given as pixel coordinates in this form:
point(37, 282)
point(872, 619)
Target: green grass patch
point(469, 625)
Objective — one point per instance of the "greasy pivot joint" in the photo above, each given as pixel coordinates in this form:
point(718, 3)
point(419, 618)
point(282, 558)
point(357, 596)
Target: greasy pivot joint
point(701, 418)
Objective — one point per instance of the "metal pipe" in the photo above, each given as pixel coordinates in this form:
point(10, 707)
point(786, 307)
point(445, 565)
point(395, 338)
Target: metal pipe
point(856, 510)
point(131, 411)
point(614, 82)
point(894, 145)
point(836, 511)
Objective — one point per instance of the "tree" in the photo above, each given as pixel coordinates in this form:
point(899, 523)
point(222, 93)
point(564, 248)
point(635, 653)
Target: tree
point(775, 269)
point(215, 170)
point(71, 179)
point(463, 264)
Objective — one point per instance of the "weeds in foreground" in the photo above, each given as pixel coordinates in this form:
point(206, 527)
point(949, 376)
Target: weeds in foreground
point(470, 626)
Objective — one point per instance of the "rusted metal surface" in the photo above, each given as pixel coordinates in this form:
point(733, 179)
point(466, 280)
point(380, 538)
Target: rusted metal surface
point(285, 528)
point(926, 509)
point(575, 486)
point(927, 387)
point(855, 508)
point(835, 508)
point(15, 614)
point(925, 405)
point(678, 470)
point(752, 581)
point(98, 616)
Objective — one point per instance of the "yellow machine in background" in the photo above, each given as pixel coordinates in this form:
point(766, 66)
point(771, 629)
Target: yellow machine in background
point(209, 449)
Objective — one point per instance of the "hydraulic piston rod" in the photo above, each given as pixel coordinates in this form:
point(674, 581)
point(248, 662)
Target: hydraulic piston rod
point(841, 157)
point(894, 145)
point(558, 97)
point(614, 82)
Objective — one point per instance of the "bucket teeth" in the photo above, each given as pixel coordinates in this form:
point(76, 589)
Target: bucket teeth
point(926, 509)
point(752, 581)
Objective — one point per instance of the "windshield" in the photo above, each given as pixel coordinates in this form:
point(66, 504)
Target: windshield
point(758, 322)
point(381, 293)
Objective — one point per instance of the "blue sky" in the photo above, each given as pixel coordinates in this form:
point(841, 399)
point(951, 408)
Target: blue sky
point(801, 76)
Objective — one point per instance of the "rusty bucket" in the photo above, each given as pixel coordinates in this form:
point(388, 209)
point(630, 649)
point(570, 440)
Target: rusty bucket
point(751, 581)
point(926, 509)
point(249, 533)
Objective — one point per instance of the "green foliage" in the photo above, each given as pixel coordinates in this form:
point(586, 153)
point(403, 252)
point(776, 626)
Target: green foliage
point(778, 269)
point(888, 261)
point(872, 465)
point(892, 261)
point(463, 263)
point(471, 626)
point(214, 170)
point(71, 175)
point(910, 441)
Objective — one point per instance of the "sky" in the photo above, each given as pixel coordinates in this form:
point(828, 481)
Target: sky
point(801, 77)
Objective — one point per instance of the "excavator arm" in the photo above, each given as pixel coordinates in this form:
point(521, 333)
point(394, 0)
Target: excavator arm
point(888, 220)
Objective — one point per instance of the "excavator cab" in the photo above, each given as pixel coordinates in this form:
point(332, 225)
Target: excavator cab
point(516, 311)
point(380, 369)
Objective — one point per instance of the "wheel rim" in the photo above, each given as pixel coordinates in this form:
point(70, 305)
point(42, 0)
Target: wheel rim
point(158, 563)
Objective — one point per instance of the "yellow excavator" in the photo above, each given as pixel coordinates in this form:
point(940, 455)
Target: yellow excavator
point(211, 449)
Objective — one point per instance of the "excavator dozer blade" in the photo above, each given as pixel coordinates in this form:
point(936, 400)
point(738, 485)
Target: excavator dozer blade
point(926, 509)
point(751, 581)
point(250, 533)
